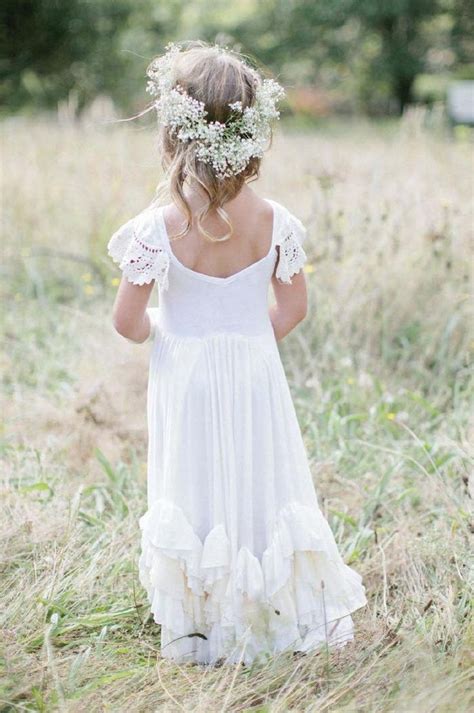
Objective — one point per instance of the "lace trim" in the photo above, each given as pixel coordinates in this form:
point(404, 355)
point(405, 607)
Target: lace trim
point(292, 256)
point(139, 261)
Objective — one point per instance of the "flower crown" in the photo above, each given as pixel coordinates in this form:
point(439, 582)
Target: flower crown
point(227, 147)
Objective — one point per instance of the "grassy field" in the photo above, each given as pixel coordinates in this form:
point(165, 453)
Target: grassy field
point(379, 373)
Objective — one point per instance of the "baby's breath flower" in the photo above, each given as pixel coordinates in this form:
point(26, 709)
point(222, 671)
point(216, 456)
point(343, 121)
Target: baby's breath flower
point(228, 147)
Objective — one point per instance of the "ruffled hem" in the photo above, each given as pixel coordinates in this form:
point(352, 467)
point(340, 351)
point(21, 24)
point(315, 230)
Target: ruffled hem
point(213, 607)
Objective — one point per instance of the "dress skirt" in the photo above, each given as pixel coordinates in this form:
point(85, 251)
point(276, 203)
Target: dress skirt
point(237, 559)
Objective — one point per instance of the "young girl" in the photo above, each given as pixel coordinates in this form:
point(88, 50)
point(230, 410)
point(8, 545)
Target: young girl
point(236, 557)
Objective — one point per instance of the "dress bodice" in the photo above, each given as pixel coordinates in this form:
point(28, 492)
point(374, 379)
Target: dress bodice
point(199, 305)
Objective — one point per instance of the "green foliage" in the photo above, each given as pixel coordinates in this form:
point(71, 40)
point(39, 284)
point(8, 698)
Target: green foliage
point(364, 54)
point(54, 47)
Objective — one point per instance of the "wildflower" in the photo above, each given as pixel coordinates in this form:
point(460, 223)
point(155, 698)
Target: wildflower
point(365, 380)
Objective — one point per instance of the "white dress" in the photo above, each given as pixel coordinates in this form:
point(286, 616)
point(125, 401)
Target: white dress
point(237, 559)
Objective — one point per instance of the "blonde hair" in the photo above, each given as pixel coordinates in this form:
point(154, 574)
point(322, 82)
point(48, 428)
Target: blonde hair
point(217, 78)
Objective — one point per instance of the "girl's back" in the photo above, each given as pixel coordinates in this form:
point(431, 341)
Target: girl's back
point(221, 287)
point(252, 222)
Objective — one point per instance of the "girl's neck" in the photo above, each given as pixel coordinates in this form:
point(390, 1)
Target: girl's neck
point(197, 197)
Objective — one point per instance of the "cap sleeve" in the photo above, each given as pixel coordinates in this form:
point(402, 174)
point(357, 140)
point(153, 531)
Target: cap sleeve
point(138, 249)
point(290, 238)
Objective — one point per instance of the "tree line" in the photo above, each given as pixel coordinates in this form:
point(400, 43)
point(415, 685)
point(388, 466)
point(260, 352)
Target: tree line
point(369, 54)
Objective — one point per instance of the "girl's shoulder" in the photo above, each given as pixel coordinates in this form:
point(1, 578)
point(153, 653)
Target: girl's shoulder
point(286, 222)
point(139, 247)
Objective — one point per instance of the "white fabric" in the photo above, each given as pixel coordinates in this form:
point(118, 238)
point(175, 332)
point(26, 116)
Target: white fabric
point(236, 557)
point(141, 257)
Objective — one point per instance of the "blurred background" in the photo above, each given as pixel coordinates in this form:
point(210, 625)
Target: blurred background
point(374, 153)
point(345, 57)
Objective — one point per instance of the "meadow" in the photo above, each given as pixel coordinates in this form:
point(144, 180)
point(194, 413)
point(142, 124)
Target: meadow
point(379, 372)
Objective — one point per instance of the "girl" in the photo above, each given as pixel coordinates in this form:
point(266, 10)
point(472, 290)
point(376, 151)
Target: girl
point(236, 557)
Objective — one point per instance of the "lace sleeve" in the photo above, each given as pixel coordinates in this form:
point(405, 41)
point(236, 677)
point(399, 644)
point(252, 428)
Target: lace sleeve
point(138, 250)
point(292, 256)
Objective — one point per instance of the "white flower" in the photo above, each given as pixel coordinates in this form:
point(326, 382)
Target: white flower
point(346, 362)
point(402, 416)
point(365, 380)
point(227, 147)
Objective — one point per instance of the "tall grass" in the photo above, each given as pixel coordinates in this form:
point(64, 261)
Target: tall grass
point(379, 373)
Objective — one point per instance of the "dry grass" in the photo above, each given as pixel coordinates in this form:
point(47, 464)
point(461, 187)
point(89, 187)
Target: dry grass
point(379, 374)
